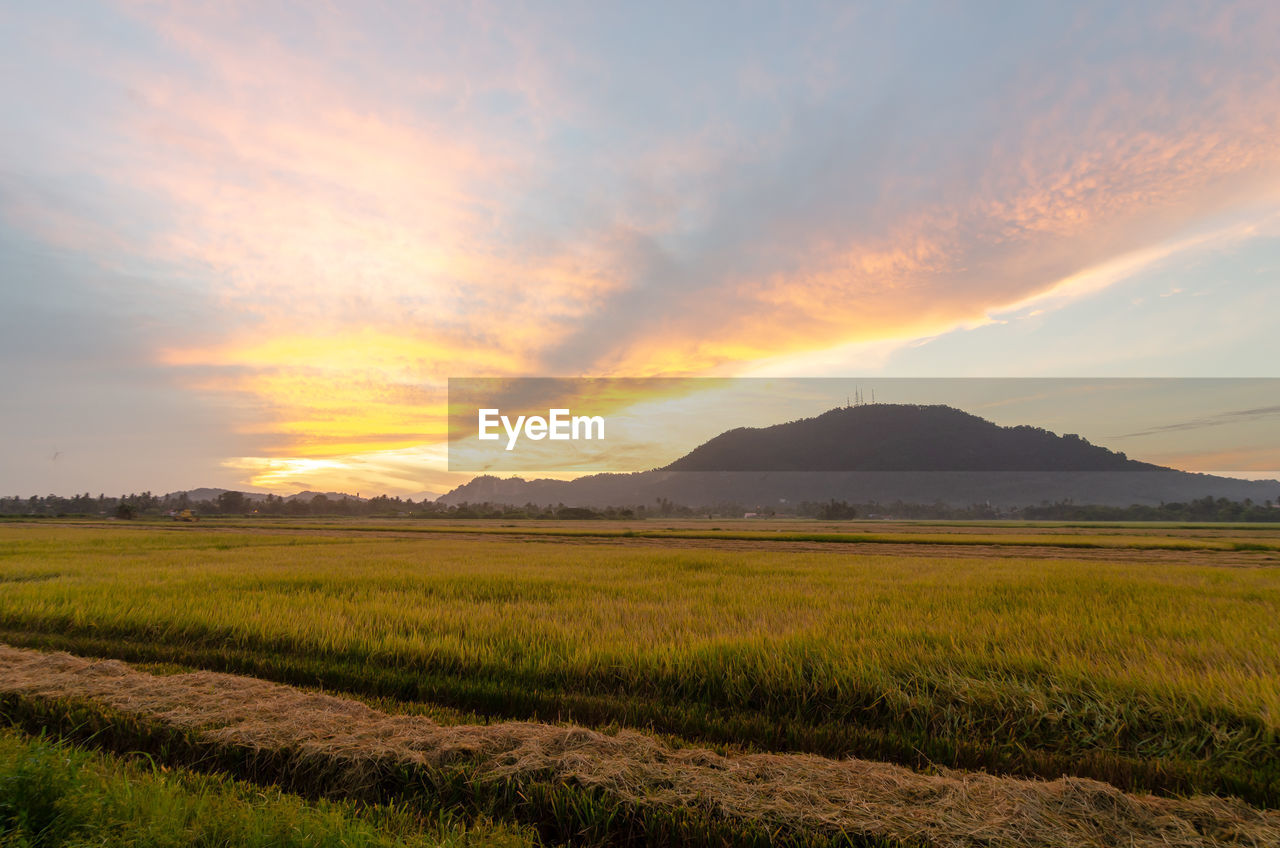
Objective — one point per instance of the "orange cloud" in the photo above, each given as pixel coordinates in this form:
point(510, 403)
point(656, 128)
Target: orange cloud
point(1048, 231)
point(407, 472)
point(344, 393)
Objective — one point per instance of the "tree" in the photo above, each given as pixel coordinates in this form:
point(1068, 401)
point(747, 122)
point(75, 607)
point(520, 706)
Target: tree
point(837, 511)
point(231, 502)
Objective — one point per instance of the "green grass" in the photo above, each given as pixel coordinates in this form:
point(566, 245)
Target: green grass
point(53, 795)
point(1152, 675)
point(452, 803)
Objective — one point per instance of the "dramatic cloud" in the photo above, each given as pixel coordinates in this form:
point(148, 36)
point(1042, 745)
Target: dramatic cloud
point(319, 213)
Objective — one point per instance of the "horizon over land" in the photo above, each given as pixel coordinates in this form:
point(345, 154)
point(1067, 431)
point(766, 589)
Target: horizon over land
point(744, 445)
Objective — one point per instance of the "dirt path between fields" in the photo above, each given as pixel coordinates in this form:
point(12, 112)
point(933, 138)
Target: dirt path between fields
point(796, 791)
point(1252, 559)
point(950, 550)
point(931, 550)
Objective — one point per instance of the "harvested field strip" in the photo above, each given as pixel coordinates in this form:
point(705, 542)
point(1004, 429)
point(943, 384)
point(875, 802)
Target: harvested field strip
point(1234, 762)
point(798, 799)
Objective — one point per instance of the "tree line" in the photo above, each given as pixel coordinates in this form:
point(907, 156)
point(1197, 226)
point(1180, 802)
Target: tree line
point(147, 505)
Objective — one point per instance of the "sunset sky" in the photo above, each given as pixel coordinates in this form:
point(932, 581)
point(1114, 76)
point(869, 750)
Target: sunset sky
point(246, 244)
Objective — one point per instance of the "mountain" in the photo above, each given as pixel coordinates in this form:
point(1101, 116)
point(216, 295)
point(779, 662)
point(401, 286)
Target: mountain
point(899, 437)
point(881, 452)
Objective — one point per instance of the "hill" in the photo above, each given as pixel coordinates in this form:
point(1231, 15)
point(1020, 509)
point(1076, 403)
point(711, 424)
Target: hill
point(886, 453)
point(900, 437)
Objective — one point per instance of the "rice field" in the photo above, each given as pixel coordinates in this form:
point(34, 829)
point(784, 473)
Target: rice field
point(1152, 664)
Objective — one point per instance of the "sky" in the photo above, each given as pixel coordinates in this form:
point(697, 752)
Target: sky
point(247, 244)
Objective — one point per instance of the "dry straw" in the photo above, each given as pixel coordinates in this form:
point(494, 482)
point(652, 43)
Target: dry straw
point(803, 792)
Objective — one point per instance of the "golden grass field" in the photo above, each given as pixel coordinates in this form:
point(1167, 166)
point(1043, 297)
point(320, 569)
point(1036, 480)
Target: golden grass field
point(1142, 656)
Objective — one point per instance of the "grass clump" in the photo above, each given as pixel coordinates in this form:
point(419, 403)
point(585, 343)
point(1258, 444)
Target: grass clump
point(54, 795)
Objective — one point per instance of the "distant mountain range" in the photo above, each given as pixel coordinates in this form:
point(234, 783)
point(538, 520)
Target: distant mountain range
point(881, 452)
